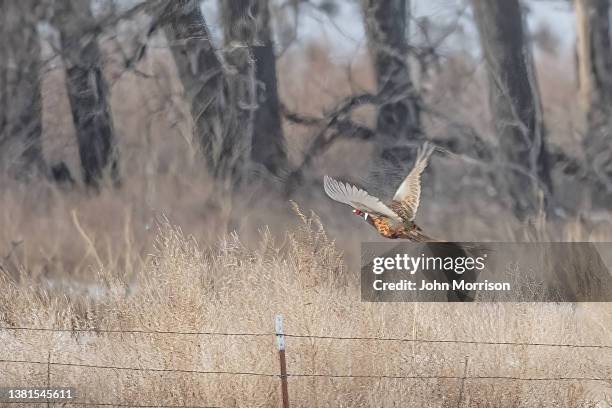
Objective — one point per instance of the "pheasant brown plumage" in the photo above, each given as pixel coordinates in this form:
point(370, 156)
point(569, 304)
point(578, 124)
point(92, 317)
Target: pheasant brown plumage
point(395, 221)
point(387, 230)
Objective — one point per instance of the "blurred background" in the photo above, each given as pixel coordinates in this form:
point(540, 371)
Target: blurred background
point(161, 167)
point(217, 114)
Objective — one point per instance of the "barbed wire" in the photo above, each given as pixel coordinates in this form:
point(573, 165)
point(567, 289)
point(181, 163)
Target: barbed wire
point(463, 377)
point(313, 375)
point(454, 377)
point(107, 404)
point(161, 370)
point(419, 340)
point(135, 331)
point(306, 336)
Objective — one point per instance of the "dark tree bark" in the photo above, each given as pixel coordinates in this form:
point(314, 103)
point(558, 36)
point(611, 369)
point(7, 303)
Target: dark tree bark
point(87, 90)
point(398, 119)
point(252, 75)
point(514, 101)
point(20, 99)
point(217, 126)
point(595, 85)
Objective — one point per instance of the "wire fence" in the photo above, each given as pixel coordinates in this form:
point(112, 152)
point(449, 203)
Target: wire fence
point(107, 404)
point(280, 336)
point(303, 336)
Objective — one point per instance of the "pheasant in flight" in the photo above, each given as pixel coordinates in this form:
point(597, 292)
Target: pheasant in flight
point(395, 220)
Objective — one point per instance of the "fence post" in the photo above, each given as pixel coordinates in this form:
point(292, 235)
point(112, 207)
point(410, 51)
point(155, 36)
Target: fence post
point(465, 368)
point(48, 374)
point(280, 340)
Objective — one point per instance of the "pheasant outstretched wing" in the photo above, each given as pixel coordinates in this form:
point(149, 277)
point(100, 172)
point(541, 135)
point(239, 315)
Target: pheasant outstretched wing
point(357, 198)
point(407, 196)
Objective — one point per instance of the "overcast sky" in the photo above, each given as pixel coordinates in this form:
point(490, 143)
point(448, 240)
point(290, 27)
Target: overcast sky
point(344, 32)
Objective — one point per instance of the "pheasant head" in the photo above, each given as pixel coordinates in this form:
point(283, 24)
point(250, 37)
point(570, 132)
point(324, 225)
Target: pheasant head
point(361, 214)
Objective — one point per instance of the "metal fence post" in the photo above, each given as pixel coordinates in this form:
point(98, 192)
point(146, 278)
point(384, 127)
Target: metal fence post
point(280, 340)
point(48, 374)
point(465, 368)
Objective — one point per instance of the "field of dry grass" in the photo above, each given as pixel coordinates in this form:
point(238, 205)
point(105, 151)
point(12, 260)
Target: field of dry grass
point(231, 287)
point(166, 253)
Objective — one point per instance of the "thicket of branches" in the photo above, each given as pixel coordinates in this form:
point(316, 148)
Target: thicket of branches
point(232, 92)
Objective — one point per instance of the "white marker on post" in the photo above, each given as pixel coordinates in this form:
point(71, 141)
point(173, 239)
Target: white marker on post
point(280, 336)
point(280, 341)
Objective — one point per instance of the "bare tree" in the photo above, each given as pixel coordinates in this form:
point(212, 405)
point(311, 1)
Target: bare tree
point(514, 101)
point(252, 76)
point(398, 111)
point(203, 77)
point(20, 98)
point(594, 67)
point(87, 90)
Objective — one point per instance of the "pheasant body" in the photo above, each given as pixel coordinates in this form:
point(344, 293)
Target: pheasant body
point(395, 221)
point(384, 227)
point(401, 231)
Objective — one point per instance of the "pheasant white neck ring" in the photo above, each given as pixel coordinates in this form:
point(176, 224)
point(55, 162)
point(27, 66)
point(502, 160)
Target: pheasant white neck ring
point(360, 213)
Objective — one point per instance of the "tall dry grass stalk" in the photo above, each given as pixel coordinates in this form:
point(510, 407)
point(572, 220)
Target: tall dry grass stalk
point(234, 287)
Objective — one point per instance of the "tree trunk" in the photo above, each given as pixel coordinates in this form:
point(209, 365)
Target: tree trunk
point(515, 105)
point(88, 91)
point(398, 120)
point(202, 74)
point(20, 99)
point(595, 89)
point(254, 89)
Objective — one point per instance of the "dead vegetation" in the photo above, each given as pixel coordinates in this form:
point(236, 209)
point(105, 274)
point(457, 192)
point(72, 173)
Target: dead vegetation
point(166, 252)
point(232, 287)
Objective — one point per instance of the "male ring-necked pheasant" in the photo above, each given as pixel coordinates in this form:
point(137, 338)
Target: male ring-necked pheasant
point(397, 219)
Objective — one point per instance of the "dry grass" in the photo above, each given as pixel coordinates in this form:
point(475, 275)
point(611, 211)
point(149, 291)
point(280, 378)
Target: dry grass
point(113, 261)
point(230, 287)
